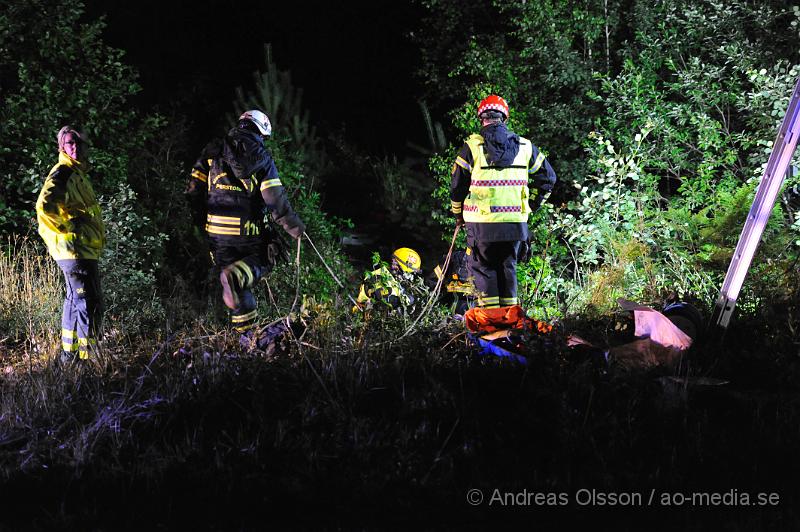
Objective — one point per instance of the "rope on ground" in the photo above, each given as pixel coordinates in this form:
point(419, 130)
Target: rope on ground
point(289, 324)
point(271, 297)
point(296, 293)
point(287, 320)
point(330, 271)
point(435, 293)
point(297, 278)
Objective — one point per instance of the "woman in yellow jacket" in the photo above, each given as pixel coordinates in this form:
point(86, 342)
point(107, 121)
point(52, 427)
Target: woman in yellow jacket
point(71, 225)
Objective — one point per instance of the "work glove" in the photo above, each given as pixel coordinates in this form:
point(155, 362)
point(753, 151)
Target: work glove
point(536, 201)
point(524, 251)
point(277, 248)
point(277, 251)
point(297, 231)
point(459, 218)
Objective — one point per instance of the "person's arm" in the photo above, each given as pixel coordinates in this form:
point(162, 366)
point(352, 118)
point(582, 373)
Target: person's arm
point(197, 188)
point(51, 206)
point(541, 177)
point(277, 201)
point(460, 179)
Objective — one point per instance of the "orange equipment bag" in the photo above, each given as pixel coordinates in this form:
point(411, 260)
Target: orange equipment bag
point(494, 319)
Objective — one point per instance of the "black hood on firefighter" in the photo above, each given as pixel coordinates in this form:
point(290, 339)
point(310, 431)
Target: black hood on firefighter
point(500, 145)
point(244, 152)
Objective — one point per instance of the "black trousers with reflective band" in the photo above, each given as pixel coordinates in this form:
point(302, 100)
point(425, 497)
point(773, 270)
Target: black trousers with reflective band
point(83, 306)
point(244, 265)
point(493, 268)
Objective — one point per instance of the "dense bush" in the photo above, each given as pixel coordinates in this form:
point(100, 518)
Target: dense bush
point(658, 124)
point(138, 162)
point(57, 70)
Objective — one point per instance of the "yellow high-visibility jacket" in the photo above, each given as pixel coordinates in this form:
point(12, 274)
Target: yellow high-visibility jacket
point(70, 221)
point(498, 194)
point(495, 198)
point(382, 286)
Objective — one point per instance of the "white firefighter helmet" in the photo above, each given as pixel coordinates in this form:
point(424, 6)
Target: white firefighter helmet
point(260, 119)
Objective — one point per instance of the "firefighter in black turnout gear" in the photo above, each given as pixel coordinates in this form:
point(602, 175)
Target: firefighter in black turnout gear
point(498, 178)
point(232, 185)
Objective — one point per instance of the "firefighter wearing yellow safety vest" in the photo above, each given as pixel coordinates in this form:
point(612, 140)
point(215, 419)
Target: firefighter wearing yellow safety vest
point(498, 178)
point(71, 225)
point(233, 185)
point(391, 287)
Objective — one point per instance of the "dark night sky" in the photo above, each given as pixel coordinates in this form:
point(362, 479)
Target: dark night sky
point(352, 59)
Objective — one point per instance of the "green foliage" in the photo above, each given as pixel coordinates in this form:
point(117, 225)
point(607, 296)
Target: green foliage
point(658, 124)
point(274, 93)
point(31, 294)
point(300, 159)
point(705, 110)
point(405, 197)
point(441, 166)
point(58, 70)
point(540, 56)
point(325, 233)
point(130, 261)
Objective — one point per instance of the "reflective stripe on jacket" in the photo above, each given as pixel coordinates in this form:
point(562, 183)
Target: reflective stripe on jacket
point(235, 206)
point(229, 200)
point(70, 220)
point(381, 285)
point(497, 193)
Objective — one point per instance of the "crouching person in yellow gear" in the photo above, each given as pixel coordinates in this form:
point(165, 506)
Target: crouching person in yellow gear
point(71, 225)
point(457, 288)
point(391, 287)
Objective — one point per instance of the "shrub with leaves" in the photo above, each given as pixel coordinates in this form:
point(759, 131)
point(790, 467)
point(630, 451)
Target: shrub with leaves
point(658, 144)
point(300, 159)
point(58, 70)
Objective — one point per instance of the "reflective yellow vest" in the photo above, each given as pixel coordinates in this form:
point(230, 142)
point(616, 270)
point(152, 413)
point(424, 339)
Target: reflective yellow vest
point(380, 285)
point(498, 194)
point(70, 220)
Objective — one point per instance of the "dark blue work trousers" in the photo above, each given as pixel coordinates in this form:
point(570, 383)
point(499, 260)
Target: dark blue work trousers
point(83, 306)
point(493, 268)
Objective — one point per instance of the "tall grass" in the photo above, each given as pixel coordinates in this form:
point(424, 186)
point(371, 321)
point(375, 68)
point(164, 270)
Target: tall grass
point(31, 296)
point(180, 429)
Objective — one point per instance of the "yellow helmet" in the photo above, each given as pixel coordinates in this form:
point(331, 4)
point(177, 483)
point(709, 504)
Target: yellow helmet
point(407, 259)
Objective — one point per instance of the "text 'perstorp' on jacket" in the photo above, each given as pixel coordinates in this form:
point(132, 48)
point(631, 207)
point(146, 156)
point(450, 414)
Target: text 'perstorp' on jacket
point(231, 184)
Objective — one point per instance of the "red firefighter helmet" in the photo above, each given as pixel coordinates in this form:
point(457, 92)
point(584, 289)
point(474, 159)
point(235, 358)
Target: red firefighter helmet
point(494, 103)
